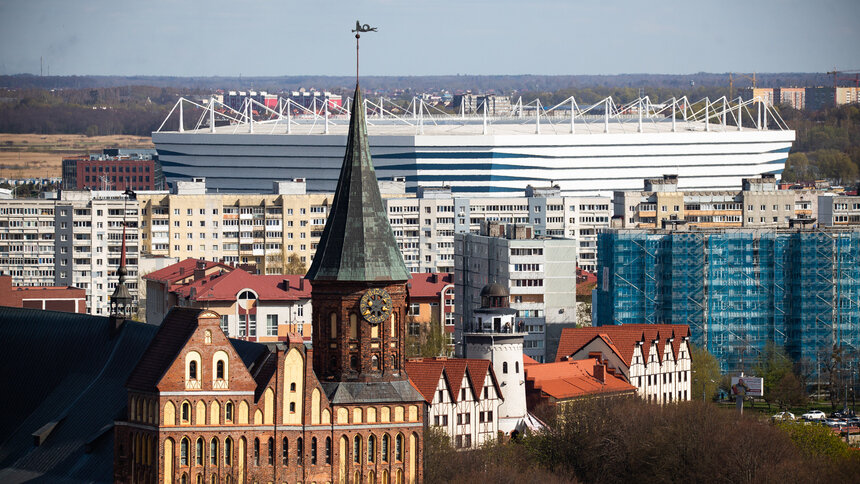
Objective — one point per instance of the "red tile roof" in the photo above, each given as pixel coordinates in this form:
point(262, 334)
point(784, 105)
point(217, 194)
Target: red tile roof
point(181, 270)
point(528, 360)
point(573, 379)
point(226, 286)
point(624, 338)
point(426, 372)
point(423, 286)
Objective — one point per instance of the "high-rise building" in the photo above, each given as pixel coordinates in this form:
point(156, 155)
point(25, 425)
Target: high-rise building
point(737, 289)
point(539, 272)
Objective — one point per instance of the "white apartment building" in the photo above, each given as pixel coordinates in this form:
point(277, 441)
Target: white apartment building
point(838, 210)
point(539, 273)
point(424, 226)
point(73, 241)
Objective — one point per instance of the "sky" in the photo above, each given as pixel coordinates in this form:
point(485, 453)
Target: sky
point(427, 37)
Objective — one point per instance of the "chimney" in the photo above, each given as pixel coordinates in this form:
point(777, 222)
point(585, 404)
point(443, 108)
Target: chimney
point(301, 284)
point(600, 372)
point(200, 270)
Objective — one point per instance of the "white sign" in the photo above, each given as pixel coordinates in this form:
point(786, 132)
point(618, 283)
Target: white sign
point(749, 386)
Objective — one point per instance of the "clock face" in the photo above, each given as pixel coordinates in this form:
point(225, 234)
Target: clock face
point(375, 305)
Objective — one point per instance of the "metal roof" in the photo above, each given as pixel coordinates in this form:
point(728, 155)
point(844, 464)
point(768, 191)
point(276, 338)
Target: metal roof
point(357, 243)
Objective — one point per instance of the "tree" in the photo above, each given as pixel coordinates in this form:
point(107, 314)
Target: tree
point(797, 168)
point(789, 390)
point(706, 373)
point(773, 366)
point(295, 265)
point(835, 165)
point(425, 339)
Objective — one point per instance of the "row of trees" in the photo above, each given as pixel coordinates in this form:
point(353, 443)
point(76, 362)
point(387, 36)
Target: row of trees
point(628, 440)
point(827, 145)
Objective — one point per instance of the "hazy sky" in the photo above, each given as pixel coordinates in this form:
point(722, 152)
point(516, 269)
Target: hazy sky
point(286, 37)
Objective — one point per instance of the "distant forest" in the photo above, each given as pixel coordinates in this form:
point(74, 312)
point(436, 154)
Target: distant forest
point(510, 84)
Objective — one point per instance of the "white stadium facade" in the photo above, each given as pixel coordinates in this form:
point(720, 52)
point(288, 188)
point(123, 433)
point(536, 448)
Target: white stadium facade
point(601, 148)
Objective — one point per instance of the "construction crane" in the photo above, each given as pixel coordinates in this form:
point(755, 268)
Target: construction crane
point(836, 78)
point(732, 82)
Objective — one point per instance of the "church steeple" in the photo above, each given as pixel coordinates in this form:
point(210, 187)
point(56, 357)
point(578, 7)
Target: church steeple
point(121, 301)
point(357, 243)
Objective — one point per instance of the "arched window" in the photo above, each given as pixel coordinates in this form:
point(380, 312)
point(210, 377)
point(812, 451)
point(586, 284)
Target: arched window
point(285, 452)
point(270, 456)
point(228, 451)
point(228, 479)
point(198, 452)
point(356, 477)
point(398, 448)
point(183, 451)
point(256, 452)
point(395, 361)
point(219, 370)
point(214, 479)
point(207, 337)
point(332, 331)
point(293, 387)
point(186, 412)
point(353, 326)
point(374, 362)
point(300, 451)
point(505, 367)
point(385, 476)
point(183, 479)
point(199, 478)
point(516, 367)
point(371, 449)
point(228, 411)
point(314, 451)
point(192, 370)
point(386, 444)
point(328, 450)
point(213, 451)
point(292, 407)
point(353, 362)
point(356, 449)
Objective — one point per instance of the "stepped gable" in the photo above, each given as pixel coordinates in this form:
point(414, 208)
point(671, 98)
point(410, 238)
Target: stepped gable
point(357, 243)
point(624, 338)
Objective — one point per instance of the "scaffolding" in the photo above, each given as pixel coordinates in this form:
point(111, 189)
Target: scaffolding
point(737, 289)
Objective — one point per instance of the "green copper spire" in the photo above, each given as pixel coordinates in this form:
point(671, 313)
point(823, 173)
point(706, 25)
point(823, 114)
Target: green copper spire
point(357, 243)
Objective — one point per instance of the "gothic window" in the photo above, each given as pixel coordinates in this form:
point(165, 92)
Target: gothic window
point(328, 450)
point(398, 448)
point(213, 451)
point(356, 449)
point(228, 411)
point(374, 362)
point(314, 451)
point(300, 451)
point(256, 452)
point(183, 451)
point(270, 459)
point(186, 412)
point(385, 445)
point(228, 451)
point(198, 452)
point(285, 452)
point(371, 449)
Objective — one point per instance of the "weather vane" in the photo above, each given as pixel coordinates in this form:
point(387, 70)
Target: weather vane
point(359, 28)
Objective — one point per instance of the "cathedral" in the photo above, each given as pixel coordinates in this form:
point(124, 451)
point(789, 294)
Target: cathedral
point(203, 408)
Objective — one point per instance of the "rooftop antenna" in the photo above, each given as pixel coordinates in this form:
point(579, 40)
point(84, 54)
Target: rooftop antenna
point(359, 28)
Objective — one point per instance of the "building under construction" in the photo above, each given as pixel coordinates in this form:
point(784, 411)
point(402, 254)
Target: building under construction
point(738, 289)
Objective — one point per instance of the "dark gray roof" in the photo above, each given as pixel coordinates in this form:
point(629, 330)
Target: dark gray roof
point(357, 243)
point(64, 379)
point(340, 393)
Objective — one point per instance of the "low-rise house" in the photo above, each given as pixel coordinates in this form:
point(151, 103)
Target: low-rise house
point(462, 397)
point(253, 307)
point(655, 358)
point(160, 296)
point(431, 301)
point(55, 298)
point(560, 383)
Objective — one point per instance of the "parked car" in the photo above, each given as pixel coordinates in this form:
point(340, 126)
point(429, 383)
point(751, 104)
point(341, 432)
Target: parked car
point(783, 416)
point(844, 413)
point(814, 415)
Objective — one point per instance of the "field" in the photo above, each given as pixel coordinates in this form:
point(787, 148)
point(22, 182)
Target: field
point(36, 155)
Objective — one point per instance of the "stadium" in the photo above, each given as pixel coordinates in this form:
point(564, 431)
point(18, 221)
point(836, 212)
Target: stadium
point(585, 150)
